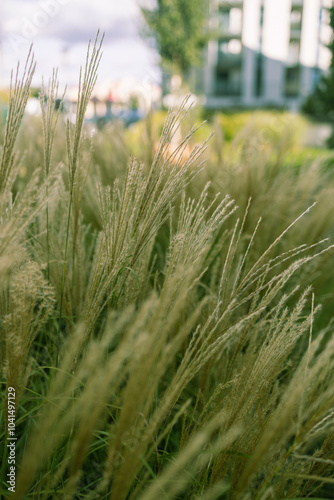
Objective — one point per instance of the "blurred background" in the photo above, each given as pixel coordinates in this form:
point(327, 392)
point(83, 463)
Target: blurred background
point(60, 31)
point(237, 54)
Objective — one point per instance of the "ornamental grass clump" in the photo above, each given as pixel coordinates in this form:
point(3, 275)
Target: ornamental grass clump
point(156, 347)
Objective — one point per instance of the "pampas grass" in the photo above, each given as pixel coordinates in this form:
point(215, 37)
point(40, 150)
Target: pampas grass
point(162, 341)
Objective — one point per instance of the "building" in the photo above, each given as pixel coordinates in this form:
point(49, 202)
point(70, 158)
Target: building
point(265, 52)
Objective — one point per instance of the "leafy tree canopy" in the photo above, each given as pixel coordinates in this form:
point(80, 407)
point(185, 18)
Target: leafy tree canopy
point(321, 103)
point(179, 30)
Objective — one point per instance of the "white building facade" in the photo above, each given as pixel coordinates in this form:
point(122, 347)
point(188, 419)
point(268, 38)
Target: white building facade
point(266, 52)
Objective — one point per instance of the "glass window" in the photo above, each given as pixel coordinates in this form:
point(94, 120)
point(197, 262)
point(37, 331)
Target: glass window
point(224, 20)
point(258, 91)
point(316, 75)
point(223, 47)
point(292, 81)
point(293, 54)
point(229, 53)
point(230, 20)
point(296, 17)
point(228, 82)
point(261, 15)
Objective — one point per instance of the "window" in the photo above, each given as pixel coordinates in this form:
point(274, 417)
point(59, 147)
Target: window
point(230, 20)
point(292, 81)
point(261, 15)
point(258, 90)
point(228, 82)
point(316, 75)
point(223, 47)
point(224, 20)
point(293, 54)
point(261, 26)
point(229, 52)
point(296, 18)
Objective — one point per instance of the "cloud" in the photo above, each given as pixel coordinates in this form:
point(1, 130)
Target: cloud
point(72, 21)
point(61, 39)
point(72, 32)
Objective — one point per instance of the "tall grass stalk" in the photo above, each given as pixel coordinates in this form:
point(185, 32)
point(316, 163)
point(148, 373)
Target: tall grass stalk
point(18, 96)
point(86, 85)
point(50, 118)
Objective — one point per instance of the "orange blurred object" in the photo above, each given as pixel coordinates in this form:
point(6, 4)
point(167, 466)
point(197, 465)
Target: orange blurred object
point(184, 153)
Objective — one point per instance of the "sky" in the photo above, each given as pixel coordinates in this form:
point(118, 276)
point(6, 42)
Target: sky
point(60, 30)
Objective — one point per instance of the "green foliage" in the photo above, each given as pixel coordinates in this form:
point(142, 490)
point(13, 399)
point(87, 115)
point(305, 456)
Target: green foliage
point(179, 30)
point(321, 103)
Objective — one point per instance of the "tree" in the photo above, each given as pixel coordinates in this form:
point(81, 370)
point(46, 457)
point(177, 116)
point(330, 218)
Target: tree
point(321, 103)
point(179, 30)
